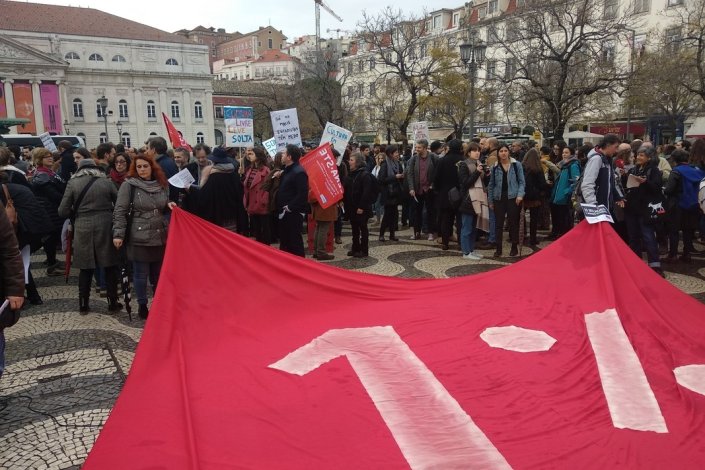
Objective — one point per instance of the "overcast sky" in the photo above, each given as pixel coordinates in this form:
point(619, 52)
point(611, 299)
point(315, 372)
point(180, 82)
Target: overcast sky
point(294, 17)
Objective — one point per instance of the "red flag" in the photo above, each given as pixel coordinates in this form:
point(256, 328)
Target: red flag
point(577, 357)
point(323, 178)
point(177, 140)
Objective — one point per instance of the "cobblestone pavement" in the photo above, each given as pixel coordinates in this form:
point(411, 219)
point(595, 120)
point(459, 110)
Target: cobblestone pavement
point(64, 371)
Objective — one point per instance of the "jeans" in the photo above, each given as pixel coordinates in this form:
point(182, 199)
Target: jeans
point(426, 201)
point(140, 272)
point(643, 236)
point(100, 277)
point(338, 225)
point(491, 237)
point(467, 233)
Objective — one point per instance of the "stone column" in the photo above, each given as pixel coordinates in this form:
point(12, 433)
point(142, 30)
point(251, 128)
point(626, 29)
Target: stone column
point(37, 103)
point(141, 134)
point(66, 107)
point(10, 101)
point(208, 111)
point(186, 121)
point(164, 106)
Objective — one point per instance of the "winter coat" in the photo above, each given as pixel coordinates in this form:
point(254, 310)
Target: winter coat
point(319, 214)
point(33, 221)
point(293, 189)
point(271, 185)
point(148, 223)
point(468, 174)
point(169, 168)
point(565, 183)
point(360, 192)
point(413, 171)
point(447, 178)
point(256, 199)
point(92, 230)
point(391, 187)
point(68, 165)
point(219, 200)
point(638, 199)
point(11, 268)
point(49, 189)
point(536, 186)
point(599, 185)
point(516, 184)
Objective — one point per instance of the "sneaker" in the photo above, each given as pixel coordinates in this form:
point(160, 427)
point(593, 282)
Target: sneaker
point(477, 254)
point(472, 256)
point(325, 257)
point(351, 253)
point(431, 237)
point(415, 236)
point(54, 272)
point(360, 254)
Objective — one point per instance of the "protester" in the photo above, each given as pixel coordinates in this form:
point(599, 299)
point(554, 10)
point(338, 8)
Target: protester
point(13, 174)
point(446, 179)
point(641, 206)
point(323, 219)
point(506, 193)
point(157, 150)
point(378, 207)
point(256, 199)
point(181, 158)
point(360, 193)
point(271, 185)
point(598, 186)
point(104, 156)
point(119, 169)
point(49, 188)
point(11, 274)
point(139, 223)
point(562, 193)
point(91, 209)
point(201, 153)
point(535, 192)
point(470, 173)
point(390, 178)
point(292, 202)
point(420, 174)
point(219, 199)
point(68, 166)
point(682, 205)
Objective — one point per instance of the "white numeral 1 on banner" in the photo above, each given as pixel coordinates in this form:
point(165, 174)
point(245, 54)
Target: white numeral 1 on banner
point(430, 427)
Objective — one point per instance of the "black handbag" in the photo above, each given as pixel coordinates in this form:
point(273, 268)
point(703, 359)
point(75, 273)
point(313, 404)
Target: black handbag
point(454, 196)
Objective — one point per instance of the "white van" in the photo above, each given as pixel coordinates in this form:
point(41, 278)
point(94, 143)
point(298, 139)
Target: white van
point(26, 140)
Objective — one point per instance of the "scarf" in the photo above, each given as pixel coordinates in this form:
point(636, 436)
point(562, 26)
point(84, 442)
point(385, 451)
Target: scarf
point(151, 186)
point(12, 168)
point(90, 171)
point(392, 167)
point(563, 163)
point(117, 177)
point(48, 171)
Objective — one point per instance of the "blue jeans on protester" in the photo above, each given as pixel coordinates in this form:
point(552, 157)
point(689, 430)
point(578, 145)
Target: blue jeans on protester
point(140, 272)
point(2, 351)
point(491, 237)
point(642, 236)
point(467, 233)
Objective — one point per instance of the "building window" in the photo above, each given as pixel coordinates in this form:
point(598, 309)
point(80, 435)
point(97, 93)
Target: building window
point(608, 52)
point(673, 3)
point(218, 137)
point(673, 39)
point(72, 56)
point(491, 69)
point(437, 22)
point(482, 12)
point(198, 110)
point(78, 109)
point(122, 107)
point(270, 44)
point(492, 7)
point(200, 138)
point(456, 20)
point(611, 9)
point(219, 112)
point(373, 63)
point(373, 89)
point(171, 62)
point(99, 110)
point(118, 58)
point(103, 138)
point(510, 70)
point(360, 90)
point(351, 92)
point(126, 140)
point(642, 6)
point(152, 134)
point(151, 111)
point(96, 58)
point(175, 111)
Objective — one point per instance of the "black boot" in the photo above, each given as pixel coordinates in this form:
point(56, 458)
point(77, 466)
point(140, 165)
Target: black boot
point(514, 251)
point(143, 311)
point(111, 280)
point(114, 305)
point(83, 305)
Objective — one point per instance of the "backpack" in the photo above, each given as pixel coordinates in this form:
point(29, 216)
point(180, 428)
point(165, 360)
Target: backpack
point(701, 195)
point(691, 185)
point(375, 187)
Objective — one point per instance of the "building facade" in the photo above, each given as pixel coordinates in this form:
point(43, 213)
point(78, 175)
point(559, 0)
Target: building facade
point(210, 37)
point(251, 45)
point(55, 72)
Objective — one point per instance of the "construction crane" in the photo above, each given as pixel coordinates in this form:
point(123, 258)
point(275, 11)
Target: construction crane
point(338, 31)
point(321, 4)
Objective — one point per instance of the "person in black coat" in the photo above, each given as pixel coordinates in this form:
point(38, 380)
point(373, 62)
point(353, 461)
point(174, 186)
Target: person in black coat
point(292, 201)
point(390, 178)
point(49, 189)
point(360, 193)
point(536, 190)
point(68, 165)
point(446, 179)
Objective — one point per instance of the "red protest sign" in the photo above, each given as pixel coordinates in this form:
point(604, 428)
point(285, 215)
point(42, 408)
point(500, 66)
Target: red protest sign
point(323, 179)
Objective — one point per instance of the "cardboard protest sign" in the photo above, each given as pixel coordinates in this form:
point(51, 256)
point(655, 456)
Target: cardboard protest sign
point(420, 130)
point(270, 146)
point(239, 126)
point(323, 178)
point(285, 124)
point(595, 214)
point(337, 136)
point(47, 142)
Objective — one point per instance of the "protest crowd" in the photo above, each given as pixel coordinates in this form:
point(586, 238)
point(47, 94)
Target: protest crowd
point(109, 208)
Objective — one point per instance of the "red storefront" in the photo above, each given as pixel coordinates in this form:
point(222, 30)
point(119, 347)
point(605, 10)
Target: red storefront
point(637, 129)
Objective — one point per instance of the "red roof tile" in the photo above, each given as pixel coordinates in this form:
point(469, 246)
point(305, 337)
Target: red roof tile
point(57, 19)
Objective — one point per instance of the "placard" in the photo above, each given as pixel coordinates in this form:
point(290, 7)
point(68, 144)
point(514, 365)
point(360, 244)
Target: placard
point(270, 146)
point(285, 124)
point(182, 179)
point(47, 142)
point(239, 126)
point(323, 178)
point(420, 130)
point(337, 136)
point(596, 214)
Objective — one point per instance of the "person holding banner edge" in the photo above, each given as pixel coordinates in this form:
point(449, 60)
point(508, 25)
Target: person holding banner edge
point(292, 201)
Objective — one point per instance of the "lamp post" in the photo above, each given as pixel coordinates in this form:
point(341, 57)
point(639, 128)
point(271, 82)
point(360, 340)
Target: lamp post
point(66, 127)
point(631, 74)
point(119, 129)
point(472, 53)
point(103, 103)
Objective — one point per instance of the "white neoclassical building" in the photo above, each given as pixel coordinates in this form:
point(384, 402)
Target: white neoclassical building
point(58, 62)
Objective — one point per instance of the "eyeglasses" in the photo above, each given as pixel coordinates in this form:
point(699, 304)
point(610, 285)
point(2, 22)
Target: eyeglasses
point(120, 162)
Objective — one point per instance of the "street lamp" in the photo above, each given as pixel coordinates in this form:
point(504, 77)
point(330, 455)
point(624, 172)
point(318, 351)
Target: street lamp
point(472, 53)
point(119, 129)
point(631, 74)
point(103, 103)
point(66, 127)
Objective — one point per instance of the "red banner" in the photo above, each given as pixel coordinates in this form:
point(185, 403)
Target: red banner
point(591, 361)
point(24, 106)
point(177, 140)
point(323, 179)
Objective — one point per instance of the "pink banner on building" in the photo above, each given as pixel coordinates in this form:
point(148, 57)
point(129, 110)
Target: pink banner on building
point(24, 107)
point(3, 103)
point(51, 109)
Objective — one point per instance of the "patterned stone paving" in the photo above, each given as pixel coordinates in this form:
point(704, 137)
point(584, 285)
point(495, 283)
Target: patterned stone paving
point(64, 371)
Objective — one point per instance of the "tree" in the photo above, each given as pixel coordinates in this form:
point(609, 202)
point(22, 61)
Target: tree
point(398, 43)
point(687, 38)
point(560, 54)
